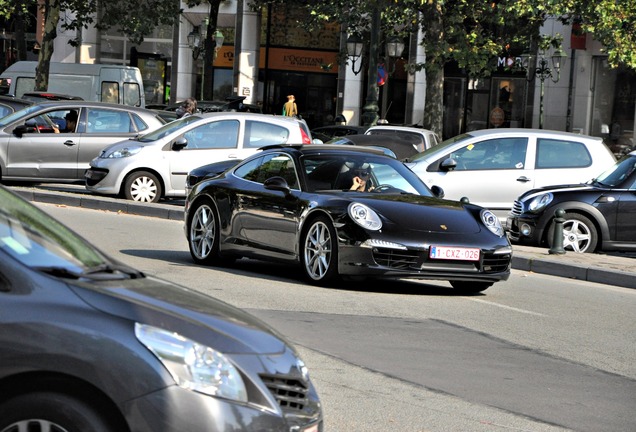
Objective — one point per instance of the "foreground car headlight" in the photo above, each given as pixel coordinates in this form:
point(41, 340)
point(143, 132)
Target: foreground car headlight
point(364, 216)
point(492, 222)
point(123, 152)
point(538, 203)
point(192, 365)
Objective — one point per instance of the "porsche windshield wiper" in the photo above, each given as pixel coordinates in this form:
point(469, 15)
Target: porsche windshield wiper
point(112, 269)
point(102, 271)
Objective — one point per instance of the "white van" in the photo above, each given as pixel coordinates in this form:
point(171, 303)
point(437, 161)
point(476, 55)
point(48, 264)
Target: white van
point(91, 82)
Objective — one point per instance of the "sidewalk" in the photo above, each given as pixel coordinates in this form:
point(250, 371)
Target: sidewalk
point(611, 269)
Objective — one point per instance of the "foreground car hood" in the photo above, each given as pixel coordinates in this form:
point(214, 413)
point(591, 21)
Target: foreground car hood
point(424, 214)
point(172, 307)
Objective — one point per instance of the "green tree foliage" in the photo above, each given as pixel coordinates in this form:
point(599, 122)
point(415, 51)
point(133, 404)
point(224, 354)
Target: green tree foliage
point(472, 33)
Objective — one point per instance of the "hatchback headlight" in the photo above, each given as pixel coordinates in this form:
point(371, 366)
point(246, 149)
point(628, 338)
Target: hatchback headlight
point(492, 222)
point(123, 152)
point(364, 216)
point(538, 203)
point(192, 365)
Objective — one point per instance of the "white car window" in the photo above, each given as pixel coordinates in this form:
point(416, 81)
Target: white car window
point(215, 135)
point(259, 134)
point(499, 153)
point(553, 153)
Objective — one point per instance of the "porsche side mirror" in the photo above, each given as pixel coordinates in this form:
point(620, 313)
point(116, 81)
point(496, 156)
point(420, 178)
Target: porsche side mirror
point(437, 191)
point(278, 184)
point(448, 164)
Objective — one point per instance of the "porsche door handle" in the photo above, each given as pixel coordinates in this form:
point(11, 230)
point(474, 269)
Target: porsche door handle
point(523, 179)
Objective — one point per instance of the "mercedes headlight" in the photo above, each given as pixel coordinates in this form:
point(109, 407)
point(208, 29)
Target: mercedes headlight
point(123, 152)
point(192, 365)
point(540, 202)
point(364, 216)
point(492, 222)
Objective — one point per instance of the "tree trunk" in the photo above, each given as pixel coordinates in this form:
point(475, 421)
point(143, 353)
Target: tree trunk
point(210, 52)
point(51, 12)
point(434, 108)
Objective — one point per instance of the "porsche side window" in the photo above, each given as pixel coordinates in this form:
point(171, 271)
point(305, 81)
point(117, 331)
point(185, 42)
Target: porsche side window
point(278, 165)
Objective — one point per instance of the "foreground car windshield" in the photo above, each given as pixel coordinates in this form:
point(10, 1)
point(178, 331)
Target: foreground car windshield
point(35, 239)
point(4, 121)
point(168, 128)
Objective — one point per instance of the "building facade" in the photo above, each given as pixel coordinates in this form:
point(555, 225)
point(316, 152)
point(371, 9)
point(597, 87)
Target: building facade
point(265, 56)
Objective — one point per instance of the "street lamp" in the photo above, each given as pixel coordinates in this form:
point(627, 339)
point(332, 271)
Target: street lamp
point(354, 51)
point(393, 49)
point(542, 71)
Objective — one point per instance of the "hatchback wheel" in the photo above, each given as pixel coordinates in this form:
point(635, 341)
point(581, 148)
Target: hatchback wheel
point(319, 251)
point(143, 186)
point(50, 412)
point(579, 233)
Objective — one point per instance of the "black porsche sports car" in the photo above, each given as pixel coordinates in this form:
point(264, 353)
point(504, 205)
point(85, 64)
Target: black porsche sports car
point(600, 215)
point(295, 204)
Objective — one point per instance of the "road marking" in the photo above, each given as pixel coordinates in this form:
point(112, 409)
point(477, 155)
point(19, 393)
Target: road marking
point(506, 307)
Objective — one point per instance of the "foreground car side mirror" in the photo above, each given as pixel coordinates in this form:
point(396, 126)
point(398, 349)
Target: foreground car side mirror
point(448, 164)
point(179, 144)
point(278, 184)
point(437, 191)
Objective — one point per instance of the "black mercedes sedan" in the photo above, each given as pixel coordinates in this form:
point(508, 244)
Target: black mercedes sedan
point(600, 215)
point(343, 212)
point(91, 344)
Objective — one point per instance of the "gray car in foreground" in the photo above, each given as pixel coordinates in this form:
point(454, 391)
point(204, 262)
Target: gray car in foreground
point(37, 144)
point(90, 344)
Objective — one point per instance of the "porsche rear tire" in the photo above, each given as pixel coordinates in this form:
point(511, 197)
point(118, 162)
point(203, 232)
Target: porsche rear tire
point(319, 251)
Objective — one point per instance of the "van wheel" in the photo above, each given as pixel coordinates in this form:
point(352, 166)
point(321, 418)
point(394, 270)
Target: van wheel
point(143, 186)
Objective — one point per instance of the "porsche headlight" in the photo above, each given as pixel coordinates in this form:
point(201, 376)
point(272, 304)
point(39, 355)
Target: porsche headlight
point(538, 203)
point(192, 365)
point(123, 152)
point(492, 222)
point(364, 216)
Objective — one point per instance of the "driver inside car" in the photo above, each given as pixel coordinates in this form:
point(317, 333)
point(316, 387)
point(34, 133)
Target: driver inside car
point(361, 181)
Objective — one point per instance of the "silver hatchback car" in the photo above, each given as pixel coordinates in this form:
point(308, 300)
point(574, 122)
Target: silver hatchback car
point(37, 143)
point(155, 165)
point(492, 167)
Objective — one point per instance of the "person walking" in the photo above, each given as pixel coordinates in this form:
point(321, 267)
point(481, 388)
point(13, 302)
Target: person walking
point(290, 109)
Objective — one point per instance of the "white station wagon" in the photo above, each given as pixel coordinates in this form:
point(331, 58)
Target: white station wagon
point(492, 167)
point(155, 165)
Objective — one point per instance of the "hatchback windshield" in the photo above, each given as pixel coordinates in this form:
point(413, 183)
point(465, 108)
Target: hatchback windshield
point(168, 128)
point(439, 148)
point(7, 120)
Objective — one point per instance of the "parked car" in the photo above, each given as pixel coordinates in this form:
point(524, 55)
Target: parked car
point(30, 150)
point(10, 104)
point(327, 133)
point(399, 148)
point(492, 167)
point(600, 215)
point(155, 165)
point(421, 139)
point(295, 204)
point(91, 344)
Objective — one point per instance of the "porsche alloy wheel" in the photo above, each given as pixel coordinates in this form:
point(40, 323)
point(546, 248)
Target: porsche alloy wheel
point(203, 233)
point(320, 251)
point(143, 186)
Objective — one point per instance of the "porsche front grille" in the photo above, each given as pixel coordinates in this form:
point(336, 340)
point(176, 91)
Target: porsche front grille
point(397, 259)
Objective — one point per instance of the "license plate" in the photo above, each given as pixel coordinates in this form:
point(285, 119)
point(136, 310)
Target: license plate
point(454, 253)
